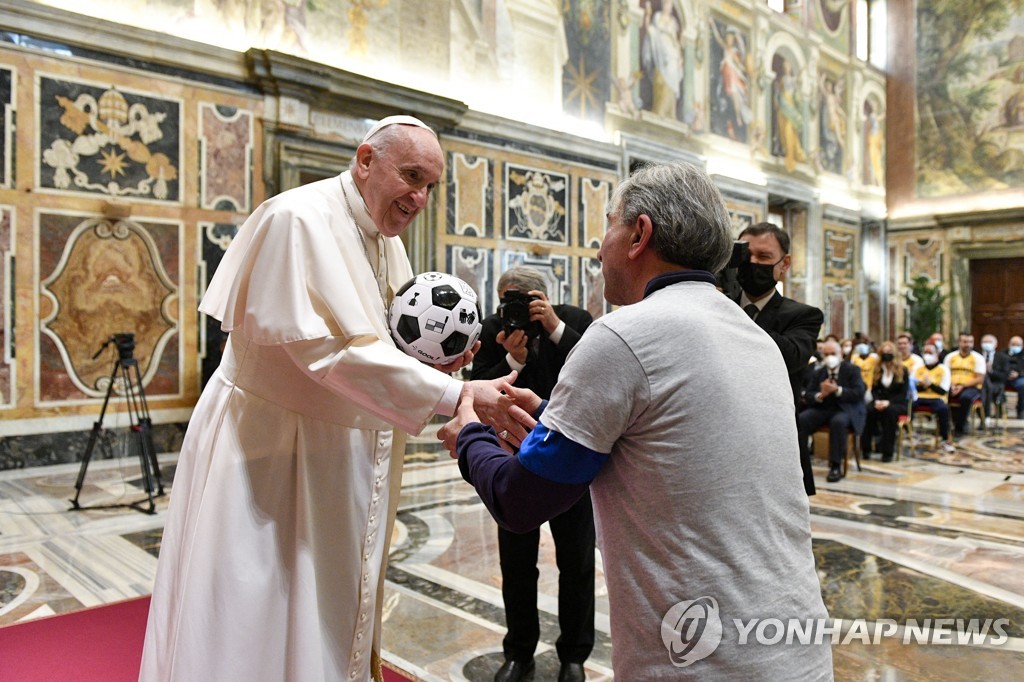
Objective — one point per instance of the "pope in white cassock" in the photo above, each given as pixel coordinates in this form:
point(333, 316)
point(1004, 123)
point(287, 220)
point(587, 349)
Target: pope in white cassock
point(273, 554)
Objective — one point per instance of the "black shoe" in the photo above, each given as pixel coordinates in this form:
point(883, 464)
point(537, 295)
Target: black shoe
point(571, 672)
point(866, 454)
point(514, 671)
point(834, 474)
point(886, 458)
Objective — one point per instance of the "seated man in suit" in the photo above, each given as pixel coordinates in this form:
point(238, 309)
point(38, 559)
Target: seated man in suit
point(997, 371)
point(834, 396)
point(794, 326)
point(1015, 379)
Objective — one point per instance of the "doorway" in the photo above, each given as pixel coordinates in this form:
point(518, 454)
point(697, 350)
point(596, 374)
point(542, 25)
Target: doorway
point(997, 298)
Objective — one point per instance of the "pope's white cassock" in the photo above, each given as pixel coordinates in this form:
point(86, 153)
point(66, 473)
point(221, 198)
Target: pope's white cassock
point(271, 565)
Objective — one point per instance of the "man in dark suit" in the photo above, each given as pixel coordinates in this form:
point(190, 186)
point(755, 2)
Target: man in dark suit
point(834, 396)
point(534, 337)
point(793, 326)
point(997, 371)
point(1015, 379)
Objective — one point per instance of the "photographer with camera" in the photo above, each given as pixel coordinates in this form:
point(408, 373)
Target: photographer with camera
point(531, 335)
point(794, 326)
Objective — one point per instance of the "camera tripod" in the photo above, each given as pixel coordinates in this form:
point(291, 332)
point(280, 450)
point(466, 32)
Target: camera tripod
point(140, 426)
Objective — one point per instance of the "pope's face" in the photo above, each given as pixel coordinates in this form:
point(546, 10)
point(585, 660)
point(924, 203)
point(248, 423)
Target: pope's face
point(396, 183)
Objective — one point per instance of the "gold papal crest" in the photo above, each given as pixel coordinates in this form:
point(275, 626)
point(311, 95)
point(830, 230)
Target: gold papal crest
point(537, 210)
point(120, 134)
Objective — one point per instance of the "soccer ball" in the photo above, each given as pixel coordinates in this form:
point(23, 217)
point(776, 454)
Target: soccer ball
point(435, 317)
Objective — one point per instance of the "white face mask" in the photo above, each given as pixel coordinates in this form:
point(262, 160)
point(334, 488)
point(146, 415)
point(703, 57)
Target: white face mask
point(930, 358)
point(1014, 350)
point(831, 361)
point(988, 347)
point(938, 346)
point(863, 349)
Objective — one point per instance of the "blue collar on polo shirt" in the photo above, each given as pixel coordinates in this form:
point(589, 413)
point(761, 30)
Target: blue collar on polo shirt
point(670, 278)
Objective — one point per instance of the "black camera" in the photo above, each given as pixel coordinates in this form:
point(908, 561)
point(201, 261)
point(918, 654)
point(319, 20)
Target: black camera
point(740, 255)
point(514, 312)
point(726, 279)
point(124, 342)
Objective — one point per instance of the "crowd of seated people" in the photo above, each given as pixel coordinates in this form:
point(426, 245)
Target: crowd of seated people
point(858, 388)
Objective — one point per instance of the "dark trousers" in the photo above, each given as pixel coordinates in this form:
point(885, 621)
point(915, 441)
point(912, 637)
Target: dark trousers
point(962, 413)
point(941, 411)
point(573, 533)
point(1018, 385)
point(885, 421)
point(993, 394)
point(839, 424)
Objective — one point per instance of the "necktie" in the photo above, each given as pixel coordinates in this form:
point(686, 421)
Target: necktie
point(751, 310)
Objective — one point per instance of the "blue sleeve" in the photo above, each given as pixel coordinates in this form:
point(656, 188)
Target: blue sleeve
point(551, 455)
point(521, 499)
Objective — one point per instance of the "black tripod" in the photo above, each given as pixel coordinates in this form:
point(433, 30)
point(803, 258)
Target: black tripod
point(140, 430)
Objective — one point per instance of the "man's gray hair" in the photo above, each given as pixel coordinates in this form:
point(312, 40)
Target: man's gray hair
point(691, 226)
point(522, 278)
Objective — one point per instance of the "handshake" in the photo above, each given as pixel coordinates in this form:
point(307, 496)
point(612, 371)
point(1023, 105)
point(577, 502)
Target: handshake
point(497, 403)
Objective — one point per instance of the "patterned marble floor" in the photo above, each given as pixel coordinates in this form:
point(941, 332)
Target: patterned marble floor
point(926, 537)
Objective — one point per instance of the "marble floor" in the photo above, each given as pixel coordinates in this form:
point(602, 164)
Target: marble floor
point(928, 536)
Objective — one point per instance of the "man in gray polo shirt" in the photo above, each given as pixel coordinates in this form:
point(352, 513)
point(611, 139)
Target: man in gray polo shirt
point(676, 411)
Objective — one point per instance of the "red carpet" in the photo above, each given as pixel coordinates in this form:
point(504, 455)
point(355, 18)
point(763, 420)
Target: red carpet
point(102, 644)
point(98, 644)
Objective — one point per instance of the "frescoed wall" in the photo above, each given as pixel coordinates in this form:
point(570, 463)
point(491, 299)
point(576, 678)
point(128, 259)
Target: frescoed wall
point(586, 85)
point(970, 97)
point(731, 70)
point(137, 136)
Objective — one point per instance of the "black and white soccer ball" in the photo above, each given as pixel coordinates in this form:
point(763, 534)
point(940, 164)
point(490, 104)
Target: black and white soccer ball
point(435, 317)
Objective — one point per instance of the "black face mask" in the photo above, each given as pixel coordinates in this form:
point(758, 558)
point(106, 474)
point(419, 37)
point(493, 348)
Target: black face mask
point(757, 279)
point(887, 357)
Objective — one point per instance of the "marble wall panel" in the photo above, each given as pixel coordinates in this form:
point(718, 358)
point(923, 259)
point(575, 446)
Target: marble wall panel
point(7, 123)
point(556, 270)
point(536, 204)
point(470, 195)
point(840, 279)
point(214, 239)
point(7, 299)
point(923, 257)
point(226, 139)
point(593, 203)
point(105, 139)
point(474, 266)
point(99, 277)
point(840, 254)
point(506, 205)
point(742, 213)
point(592, 287)
point(839, 310)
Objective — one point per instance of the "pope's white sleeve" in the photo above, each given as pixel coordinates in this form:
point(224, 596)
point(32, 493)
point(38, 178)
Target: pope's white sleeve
point(378, 377)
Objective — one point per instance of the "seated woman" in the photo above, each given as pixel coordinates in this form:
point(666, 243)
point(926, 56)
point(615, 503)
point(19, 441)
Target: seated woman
point(890, 387)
